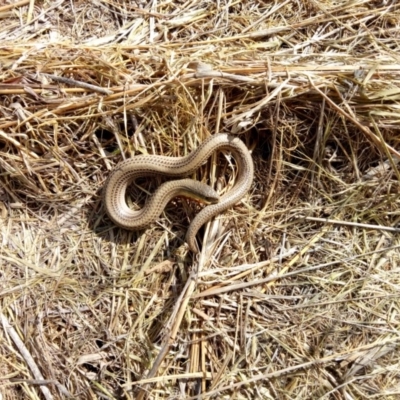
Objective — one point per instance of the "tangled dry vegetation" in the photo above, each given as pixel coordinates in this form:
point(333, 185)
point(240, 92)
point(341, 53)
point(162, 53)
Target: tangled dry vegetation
point(296, 292)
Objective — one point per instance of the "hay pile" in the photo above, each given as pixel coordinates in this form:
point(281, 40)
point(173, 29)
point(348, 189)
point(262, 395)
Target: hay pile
point(296, 292)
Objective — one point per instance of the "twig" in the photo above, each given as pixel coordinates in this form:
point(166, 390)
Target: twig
point(355, 224)
point(26, 355)
point(80, 84)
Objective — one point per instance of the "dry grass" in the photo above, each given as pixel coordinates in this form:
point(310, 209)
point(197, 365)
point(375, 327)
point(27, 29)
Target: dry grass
point(296, 292)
